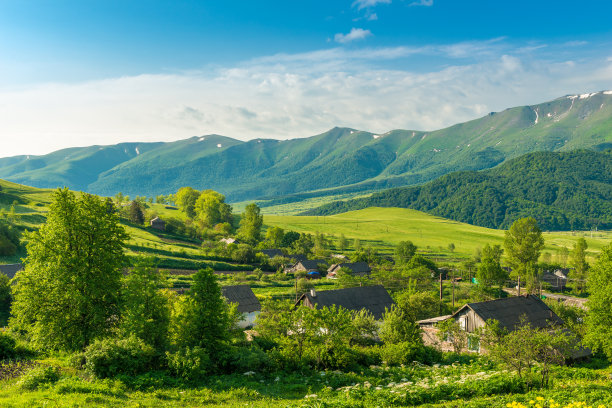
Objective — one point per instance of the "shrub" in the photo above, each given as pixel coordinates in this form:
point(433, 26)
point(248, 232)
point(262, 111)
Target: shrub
point(110, 357)
point(190, 363)
point(7, 346)
point(38, 377)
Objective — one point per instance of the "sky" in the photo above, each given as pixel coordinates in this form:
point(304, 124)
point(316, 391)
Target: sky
point(85, 72)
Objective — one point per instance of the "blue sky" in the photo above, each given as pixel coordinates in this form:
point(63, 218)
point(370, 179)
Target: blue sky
point(100, 72)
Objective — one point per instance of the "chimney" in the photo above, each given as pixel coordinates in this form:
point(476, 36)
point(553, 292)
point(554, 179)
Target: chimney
point(313, 293)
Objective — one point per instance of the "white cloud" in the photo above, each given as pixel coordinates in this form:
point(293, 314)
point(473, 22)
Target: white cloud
point(354, 34)
point(361, 4)
point(285, 95)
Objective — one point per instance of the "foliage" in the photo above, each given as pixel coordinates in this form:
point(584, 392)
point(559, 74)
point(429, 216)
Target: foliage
point(580, 265)
point(525, 346)
point(9, 238)
point(190, 363)
point(404, 252)
point(7, 346)
point(135, 213)
point(201, 318)
point(274, 237)
point(489, 271)
point(38, 377)
point(559, 189)
point(145, 311)
point(5, 289)
point(451, 331)
point(185, 199)
point(211, 208)
point(68, 293)
point(114, 355)
point(421, 305)
point(399, 327)
point(250, 224)
point(523, 243)
point(599, 318)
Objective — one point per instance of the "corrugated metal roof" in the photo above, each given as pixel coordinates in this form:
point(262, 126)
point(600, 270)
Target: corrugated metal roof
point(508, 311)
point(375, 299)
point(244, 296)
point(11, 269)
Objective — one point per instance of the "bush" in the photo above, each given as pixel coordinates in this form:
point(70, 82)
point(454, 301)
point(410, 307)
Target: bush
point(400, 353)
point(190, 363)
point(7, 346)
point(110, 357)
point(39, 376)
point(245, 359)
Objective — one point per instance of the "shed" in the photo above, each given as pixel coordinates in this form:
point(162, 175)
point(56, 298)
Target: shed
point(158, 224)
point(357, 269)
point(248, 304)
point(11, 269)
point(374, 299)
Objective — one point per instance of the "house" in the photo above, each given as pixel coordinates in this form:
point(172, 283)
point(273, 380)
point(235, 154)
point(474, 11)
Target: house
point(357, 269)
point(374, 299)
point(228, 241)
point(158, 224)
point(508, 312)
point(271, 253)
point(10, 270)
point(247, 302)
point(308, 265)
point(340, 257)
point(552, 281)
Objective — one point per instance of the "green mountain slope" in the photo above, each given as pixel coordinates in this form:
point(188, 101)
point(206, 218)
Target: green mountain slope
point(338, 161)
point(562, 190)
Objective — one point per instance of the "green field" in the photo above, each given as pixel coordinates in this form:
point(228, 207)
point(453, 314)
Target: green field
point(385, 227)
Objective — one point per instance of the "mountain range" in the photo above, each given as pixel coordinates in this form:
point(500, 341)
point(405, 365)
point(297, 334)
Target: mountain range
point(339, 160)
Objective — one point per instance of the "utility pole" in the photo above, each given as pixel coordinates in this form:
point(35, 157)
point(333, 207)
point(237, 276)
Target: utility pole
point(453, 283)
point(519, 286)
point(440, 286)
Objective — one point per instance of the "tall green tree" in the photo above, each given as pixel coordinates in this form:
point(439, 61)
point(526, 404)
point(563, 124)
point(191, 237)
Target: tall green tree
point(580, 265)
point(523, 243)
point(342, 243)
point(211, 208)
point(599, 317)
point(145, 308)
point(404, 252)
point(186, 198)
point(274, 237)
point(135, 213)
point(202, 318)
point(68, 293)
point(489, 271)
point(250, 224)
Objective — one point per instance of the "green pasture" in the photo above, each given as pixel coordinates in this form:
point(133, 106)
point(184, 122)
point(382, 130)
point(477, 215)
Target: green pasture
point(384, 228)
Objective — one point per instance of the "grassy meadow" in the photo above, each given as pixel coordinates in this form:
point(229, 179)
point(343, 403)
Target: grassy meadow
point(384, 228)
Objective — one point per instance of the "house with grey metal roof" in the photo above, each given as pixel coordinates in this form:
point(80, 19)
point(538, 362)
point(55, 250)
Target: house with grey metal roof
point(374, 299)
point(356, 268)
point(248, 304)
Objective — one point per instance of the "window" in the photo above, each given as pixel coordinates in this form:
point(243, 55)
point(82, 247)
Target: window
point(473, 343)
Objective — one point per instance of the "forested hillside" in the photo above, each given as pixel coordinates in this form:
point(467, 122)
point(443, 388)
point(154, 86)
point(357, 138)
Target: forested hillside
point(340, 160)
point(562, 191)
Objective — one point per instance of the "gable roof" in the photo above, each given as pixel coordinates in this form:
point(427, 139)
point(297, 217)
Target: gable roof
point(311, 264)
point(355, 267)
point(271, 253)
point(10, 270)
point(508, 311)
point(244, 296)
point(375, 299)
